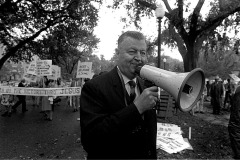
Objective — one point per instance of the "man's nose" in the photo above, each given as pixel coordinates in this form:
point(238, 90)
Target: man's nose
point(138, 56)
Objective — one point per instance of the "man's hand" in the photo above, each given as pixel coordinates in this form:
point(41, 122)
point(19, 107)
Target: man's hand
point(147, 100)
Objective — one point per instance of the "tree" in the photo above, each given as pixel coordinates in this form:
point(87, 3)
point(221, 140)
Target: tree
point(216, 63)
point(66, 45)
point(188, 34)
point(22, 22)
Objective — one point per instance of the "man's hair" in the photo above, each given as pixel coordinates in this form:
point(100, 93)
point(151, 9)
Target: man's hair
point(133, 34)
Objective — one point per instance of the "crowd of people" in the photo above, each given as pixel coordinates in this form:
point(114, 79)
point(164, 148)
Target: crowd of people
point(224, 96)
point(219, 93)
point(45, 103)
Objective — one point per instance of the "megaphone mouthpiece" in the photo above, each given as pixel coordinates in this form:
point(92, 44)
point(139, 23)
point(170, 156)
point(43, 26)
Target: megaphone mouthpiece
point(138, 69)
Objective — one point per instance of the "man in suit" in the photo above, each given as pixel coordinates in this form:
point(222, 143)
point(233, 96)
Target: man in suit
point(216, 95)
point(113, 126)
point(234, 124)
point(21, 99)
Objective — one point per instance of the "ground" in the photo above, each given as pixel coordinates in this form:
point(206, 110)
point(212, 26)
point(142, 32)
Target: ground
point(29, 136)
point(209, 141)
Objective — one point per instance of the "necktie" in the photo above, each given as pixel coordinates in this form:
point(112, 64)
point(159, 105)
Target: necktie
point(132, 85)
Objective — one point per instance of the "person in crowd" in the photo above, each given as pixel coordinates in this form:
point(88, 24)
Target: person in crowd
point(229, 89)
point(199, 107)
point(117, 116)
point(201, 100)
point(7, 101)
point(234, 124)
point(33, 85)
point(223, 95)
point(77, 98)
point(21, 99)
point(52, 99)
point(38, 98)
point(74, 100)
point(69, 98)
point(208, 86)
point(46, 105)
point(216, 94)
point(57, 84)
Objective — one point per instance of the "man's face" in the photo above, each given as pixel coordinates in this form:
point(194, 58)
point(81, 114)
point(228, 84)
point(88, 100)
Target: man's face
point(131, 52)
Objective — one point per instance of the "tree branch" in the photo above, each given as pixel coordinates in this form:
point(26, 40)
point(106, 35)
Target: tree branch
point(211, 24)
point(146, 4)
point(195, 16)
point(167, 5)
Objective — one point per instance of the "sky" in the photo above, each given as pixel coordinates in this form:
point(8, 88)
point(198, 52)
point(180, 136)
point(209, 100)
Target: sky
point(109, 29)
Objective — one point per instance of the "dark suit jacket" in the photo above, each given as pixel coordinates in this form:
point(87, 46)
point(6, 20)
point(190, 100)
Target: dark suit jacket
point(109, 128)
point(21, 97)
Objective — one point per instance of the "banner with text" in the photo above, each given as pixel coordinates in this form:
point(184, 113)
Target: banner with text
point(84, 69)
point(69, 91)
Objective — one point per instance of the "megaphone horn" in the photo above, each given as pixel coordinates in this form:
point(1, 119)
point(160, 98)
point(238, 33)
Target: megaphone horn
point(186, 88)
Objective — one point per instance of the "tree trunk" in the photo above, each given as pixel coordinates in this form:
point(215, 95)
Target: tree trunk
point(189, 60)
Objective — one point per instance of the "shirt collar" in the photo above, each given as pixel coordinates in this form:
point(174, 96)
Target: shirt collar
point(125, 78)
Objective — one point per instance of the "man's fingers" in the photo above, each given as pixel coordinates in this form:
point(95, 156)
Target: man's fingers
point(153, 88)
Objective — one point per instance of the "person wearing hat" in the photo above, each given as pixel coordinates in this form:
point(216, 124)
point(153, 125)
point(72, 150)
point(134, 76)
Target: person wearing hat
point(216, 94)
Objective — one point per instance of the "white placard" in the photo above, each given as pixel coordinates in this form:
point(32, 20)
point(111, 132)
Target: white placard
point(169, 138)
point(59, 72)
point(32, 68)
point(84, 69)
point(30, 77)
point(234, 77)
point(44, 67)
point(54, 75)
point(25, 67)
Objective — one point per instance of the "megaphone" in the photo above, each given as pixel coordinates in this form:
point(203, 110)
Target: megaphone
point(186, 88)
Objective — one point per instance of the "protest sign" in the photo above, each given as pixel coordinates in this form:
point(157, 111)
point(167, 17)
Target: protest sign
point(69, 91)
point(55, 73)
point(234, 77)
point(169, 138)
point(32, 68)
point(84, 70)
point(29, 77)
point(59, 72)
point(44, 67)
point(25, 67)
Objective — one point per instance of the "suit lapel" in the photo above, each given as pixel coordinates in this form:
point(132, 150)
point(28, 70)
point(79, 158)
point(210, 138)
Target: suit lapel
point(117, 85)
